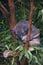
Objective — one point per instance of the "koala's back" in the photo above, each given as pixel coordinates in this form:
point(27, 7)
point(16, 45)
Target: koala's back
point(21, 25)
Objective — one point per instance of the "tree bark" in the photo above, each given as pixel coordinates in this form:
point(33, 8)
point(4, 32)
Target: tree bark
point(12, 14)
point(12, 22)
point(29, 29)
point(12, 17)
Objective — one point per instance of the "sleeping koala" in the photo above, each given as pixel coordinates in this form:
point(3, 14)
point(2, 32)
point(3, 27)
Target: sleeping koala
point(21, 31)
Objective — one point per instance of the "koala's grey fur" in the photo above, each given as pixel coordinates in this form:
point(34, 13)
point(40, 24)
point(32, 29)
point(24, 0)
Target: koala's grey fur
point(21, 31)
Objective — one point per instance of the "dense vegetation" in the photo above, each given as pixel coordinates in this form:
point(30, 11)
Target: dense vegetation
point(22, 9)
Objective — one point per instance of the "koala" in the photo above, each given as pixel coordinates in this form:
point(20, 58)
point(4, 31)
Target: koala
point(21, 31)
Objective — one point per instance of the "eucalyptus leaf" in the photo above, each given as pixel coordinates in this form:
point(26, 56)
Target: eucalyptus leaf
point(20, 47)
point(21, 55)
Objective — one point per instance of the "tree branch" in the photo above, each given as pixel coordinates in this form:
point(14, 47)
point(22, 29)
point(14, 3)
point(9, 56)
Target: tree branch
point(12, 17)
point(12, 21)
point(12, 14)
point(29, 29)
point(30, 22)
point(5, 12)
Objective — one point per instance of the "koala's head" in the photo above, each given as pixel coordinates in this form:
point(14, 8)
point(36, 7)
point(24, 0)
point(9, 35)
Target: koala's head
point(21, 31)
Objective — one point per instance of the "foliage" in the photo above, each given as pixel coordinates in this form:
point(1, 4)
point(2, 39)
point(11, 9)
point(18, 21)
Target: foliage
point(22, 9)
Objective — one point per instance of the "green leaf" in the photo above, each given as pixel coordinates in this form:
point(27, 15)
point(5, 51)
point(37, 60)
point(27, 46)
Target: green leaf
point(36, 60)
point(7, 47)
point(20, 48)
point(38, 48)
point(6, 38)
point(12, 62)
point(21, 55)
point(26, 54)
